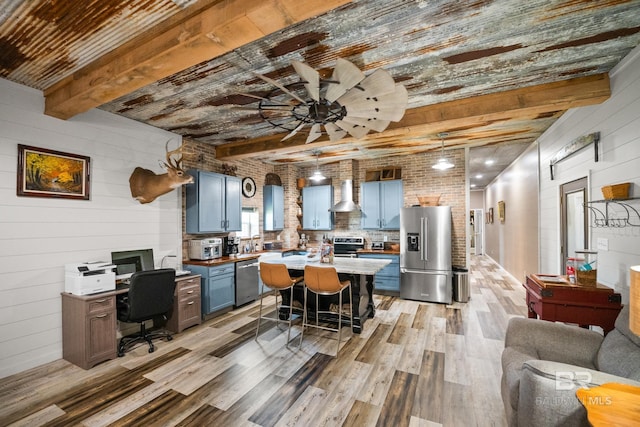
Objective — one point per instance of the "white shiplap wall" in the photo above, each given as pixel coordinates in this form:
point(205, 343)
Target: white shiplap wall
point(618, 121)
point(38, 236)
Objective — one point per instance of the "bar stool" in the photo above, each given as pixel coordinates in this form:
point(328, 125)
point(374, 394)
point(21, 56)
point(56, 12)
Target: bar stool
point(276, 277)
point(324, 281)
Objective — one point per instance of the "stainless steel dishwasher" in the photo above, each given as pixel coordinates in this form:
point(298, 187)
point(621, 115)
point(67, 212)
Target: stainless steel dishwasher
point(246, 281)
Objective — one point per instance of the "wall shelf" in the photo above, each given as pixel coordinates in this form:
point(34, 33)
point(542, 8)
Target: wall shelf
point(614, 213)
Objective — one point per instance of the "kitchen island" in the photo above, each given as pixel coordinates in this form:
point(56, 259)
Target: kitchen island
point(359, 270)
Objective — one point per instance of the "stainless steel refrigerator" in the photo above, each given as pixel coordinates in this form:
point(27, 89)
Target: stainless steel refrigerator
point(425, 254)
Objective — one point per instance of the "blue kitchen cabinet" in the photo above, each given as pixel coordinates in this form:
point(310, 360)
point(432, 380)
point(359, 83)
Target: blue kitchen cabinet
point(316, 204)
point(273, 207)
point(217, 286)
point(381, 202)
point(387, 279)
point(214, 203)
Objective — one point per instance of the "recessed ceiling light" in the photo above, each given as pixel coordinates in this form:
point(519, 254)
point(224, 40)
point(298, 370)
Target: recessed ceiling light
point(473, 185)
point(479, 176)
point(489, 162)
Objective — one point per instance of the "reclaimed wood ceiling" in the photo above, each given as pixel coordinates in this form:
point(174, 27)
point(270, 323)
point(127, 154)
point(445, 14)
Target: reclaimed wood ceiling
point(490, 73)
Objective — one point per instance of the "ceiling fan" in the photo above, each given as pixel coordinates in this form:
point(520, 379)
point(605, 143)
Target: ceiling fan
point(347, 103)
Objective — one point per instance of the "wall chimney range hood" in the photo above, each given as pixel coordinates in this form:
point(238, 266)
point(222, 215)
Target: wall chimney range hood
point(346, 204)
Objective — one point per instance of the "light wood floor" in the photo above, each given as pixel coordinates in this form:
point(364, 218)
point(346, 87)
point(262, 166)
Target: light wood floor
point(415, 364)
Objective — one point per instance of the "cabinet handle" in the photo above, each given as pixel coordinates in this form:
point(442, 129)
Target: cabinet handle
point(101, 300)
point(190, 292)
point(101, 316)
point(190, 303)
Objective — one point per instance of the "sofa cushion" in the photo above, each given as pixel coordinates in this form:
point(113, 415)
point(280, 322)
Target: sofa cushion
point(622, 326)
point(619, 353)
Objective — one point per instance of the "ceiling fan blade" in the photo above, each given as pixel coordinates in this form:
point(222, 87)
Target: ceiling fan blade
point(371, 123)
point(347, 74)
point(376, 112)
point(311, 76)
point(334, 132)
point(378, 83)
point(355, 131)
point(293, 132)
point(314, 133)
point(387, 107)
point(279, 86)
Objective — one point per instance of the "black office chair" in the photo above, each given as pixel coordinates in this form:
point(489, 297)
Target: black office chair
point(150, 297)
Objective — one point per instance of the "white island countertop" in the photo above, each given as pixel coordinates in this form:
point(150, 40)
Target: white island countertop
point(366, 266)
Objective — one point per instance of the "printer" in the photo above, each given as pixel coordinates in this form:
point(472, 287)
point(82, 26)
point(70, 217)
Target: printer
point(89, 277)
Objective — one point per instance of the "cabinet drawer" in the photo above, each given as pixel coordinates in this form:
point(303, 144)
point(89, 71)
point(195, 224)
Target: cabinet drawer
point(189, 293)
point(388, 283)
point(100, 305)
point(188, 287)
point(229, 268)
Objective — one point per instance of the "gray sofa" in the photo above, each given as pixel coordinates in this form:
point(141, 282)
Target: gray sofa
point(543, 363)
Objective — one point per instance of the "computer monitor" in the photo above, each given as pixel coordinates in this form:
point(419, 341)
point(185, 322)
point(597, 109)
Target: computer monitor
point(129, 262)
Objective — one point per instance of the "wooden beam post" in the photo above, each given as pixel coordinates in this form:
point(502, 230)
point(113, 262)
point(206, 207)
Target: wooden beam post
point(179, 43)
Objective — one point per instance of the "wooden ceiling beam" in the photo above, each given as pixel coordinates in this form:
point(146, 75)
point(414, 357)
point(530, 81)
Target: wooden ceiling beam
point(464, 113)
point(182, 41)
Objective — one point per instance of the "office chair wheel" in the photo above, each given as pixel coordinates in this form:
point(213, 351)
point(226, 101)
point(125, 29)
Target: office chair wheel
point(152, 349)
point(169, 337)
point(121, 354)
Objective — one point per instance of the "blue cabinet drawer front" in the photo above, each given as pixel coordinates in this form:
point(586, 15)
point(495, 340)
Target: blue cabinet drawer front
point(229, 268)
point(387, 283)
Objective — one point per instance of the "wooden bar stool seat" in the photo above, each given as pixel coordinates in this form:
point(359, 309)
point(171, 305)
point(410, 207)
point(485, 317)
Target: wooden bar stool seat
point(277, 278)
point(324, 281)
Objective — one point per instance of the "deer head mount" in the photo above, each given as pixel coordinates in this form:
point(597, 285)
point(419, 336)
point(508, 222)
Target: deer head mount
point(146, 186)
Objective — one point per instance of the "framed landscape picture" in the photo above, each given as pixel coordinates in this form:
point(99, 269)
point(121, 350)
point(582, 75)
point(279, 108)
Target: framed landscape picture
point(49, 173)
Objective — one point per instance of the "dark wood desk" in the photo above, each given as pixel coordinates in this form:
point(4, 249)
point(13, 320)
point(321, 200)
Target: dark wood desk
point(566, 302)
point(89, 322)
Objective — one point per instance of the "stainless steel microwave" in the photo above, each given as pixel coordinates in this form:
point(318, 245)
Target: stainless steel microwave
point(204, 249)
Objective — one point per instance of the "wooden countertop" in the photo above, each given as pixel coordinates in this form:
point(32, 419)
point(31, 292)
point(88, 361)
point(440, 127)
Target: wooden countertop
point(222, 260)
point(378, 251)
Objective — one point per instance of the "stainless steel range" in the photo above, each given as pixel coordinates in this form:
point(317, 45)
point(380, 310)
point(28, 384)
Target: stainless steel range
point(347, 247)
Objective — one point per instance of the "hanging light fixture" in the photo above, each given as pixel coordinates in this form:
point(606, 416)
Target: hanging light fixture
point(443, 163)
point(317, 175)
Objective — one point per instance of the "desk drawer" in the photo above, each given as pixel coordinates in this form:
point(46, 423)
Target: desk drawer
point(187, 287)
point(100, 305)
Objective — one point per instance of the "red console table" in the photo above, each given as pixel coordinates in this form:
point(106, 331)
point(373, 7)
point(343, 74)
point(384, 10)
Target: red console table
point(558, 300)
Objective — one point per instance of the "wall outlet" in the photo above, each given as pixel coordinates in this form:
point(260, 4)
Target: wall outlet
point(603, 244)
point(384, 239)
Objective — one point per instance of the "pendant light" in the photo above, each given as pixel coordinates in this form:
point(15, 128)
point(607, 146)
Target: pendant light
point(443, 163)
point(317, 175)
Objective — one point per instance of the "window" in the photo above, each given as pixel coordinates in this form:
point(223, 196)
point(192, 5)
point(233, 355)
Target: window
point(250, 222)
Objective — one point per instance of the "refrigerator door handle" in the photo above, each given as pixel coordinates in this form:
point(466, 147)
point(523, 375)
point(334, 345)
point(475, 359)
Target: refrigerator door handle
point(421, 241)
point(423, 233)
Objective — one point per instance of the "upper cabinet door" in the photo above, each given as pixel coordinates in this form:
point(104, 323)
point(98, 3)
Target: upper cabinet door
point(391, 201)
point(273, 207)
point(370, 204)
point(381, 202)
point(316, 202)
point(233, 212)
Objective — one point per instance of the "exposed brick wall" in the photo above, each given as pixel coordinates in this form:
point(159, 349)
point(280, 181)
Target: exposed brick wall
point(417, 175)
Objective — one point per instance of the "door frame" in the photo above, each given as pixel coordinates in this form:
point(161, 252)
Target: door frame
point(571, 187)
